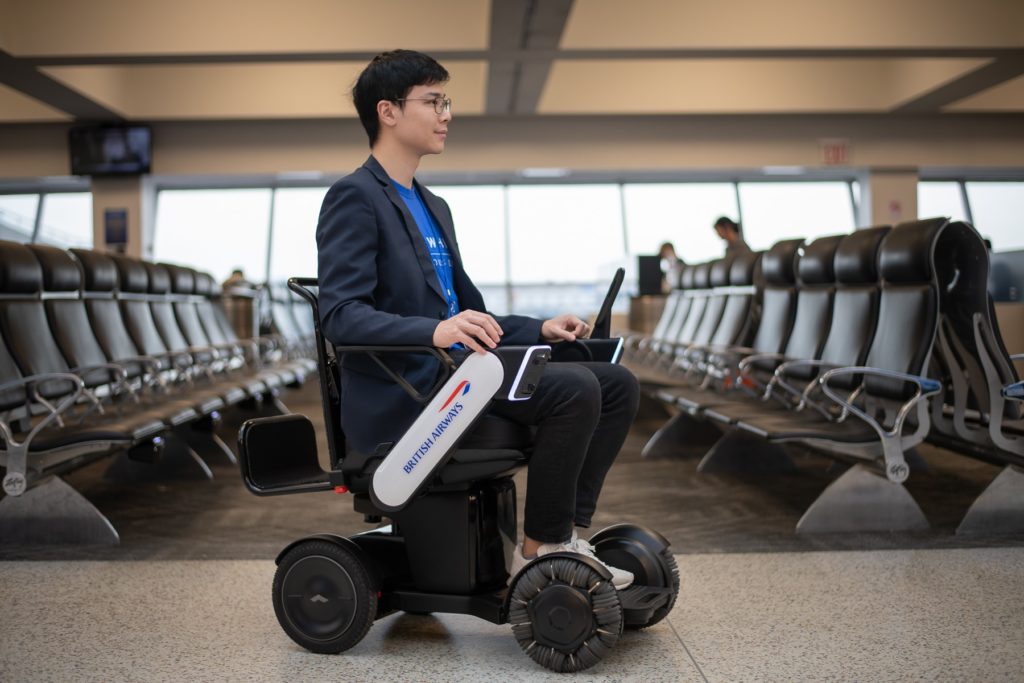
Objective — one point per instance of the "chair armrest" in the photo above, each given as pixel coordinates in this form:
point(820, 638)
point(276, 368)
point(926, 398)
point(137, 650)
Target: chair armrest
point(754, 357)
point(1014, 392)
point(15, 482)
point(117, 371)
point(118, 377)
point(895, 466)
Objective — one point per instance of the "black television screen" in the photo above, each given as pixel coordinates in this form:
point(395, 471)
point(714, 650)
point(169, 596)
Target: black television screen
point(110, 150)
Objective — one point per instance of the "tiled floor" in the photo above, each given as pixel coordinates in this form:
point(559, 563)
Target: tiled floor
point(186, 594)
point(950, 615)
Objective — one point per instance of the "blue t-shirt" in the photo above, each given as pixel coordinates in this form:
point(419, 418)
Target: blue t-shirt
point(440, 256)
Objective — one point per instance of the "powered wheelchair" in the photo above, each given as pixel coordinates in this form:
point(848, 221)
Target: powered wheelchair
point(446, 488)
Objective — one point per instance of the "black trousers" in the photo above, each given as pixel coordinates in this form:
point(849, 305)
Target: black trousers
point(582, 412)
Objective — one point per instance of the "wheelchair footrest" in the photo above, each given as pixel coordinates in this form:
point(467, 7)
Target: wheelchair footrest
point(640, 602)
point(279, 455)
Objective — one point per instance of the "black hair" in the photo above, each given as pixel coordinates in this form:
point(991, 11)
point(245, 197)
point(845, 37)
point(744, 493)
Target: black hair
point(728, 223)
point(390, 76)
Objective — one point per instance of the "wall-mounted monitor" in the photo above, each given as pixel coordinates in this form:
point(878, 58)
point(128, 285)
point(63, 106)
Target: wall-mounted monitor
point(122, 149)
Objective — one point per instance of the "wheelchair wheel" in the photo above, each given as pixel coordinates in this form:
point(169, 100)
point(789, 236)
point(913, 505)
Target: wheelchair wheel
point(564, 614)
point(324, 598)
point(647, 555)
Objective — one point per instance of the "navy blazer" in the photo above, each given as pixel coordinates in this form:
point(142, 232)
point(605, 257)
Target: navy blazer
point(379, 287)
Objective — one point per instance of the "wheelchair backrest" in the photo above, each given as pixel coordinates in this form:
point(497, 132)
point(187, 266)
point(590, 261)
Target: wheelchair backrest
point(328, 370)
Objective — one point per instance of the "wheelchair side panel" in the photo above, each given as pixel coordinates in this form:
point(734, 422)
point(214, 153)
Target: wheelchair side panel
point(435, 433)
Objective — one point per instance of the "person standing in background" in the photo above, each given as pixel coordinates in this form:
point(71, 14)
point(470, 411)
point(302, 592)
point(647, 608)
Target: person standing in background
point(731, 233)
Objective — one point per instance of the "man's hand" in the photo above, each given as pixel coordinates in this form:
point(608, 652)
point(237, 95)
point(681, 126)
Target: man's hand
point(565, 327)
point(470, 328)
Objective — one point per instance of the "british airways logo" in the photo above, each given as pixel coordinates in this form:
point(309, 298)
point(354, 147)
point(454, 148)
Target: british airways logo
point(460, 390)
point(454, 407)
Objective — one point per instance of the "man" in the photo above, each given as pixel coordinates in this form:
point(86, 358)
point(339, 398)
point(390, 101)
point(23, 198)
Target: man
point(390, 273)
point(729, 231)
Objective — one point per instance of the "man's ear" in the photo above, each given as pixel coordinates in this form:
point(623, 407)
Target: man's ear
point(386, 112)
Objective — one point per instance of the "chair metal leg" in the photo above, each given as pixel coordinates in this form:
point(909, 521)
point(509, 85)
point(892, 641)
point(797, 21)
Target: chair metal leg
point(740, 451)
point(681, 436)
point(53, 513)
point(178, 461)
point(861, 500)
point(999, 508)
point(230, 454)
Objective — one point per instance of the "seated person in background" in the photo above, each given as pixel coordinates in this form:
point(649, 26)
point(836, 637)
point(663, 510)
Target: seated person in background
point(390, 272)
point(671, 267)
point(237, 279)
point(729, 230)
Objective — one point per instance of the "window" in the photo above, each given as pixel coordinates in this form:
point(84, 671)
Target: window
point(214, 230)
point(563, 233)
point(776, 211)
point(479, 216)
point(18, 216)
point(936, 199)
point(998, 212)
point(293, 243)
point(683, 214)
point(67, 220)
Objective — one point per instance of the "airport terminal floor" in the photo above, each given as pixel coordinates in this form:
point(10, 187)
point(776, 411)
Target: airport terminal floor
point(186, 594)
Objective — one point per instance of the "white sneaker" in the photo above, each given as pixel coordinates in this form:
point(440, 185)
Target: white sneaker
point(620, 577)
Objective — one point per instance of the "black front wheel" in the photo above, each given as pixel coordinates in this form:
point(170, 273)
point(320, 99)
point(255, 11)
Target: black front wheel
point(647, 555)
point(324, 597)
point(564, 614)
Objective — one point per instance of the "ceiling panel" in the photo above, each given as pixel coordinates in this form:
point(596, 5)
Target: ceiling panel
point(745, 24)
point(18, 108)
point(1007, 96)
point(148, 27)
point(245, 91)
point(709, 86)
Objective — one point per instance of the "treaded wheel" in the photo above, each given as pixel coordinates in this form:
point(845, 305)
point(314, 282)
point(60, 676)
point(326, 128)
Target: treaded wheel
point(673, 571)
point(564, 614)
point(324, 598)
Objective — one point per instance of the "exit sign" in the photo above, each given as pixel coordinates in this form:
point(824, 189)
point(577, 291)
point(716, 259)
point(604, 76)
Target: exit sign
point(835, 152)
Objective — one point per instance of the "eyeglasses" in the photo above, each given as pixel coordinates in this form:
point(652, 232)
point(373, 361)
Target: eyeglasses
point(441, 104)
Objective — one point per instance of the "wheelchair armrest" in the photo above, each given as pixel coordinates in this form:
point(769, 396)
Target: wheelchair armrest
point(374, 353)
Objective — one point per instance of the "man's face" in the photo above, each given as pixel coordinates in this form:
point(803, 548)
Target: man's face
point(418, 125)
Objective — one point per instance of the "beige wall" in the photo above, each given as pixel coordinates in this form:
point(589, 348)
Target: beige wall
point(585, 143)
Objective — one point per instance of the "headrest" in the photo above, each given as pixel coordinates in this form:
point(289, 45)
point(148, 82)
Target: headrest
point(183, 279)
point(204, 283)
point(778, 264)
point(99, 270)
point(60, 269)
point(159, 278)
point(720, 272)
point(213, 287)
point(907, 251)
point(741, 273)
point(20, 272)
point(817, 261)
point(686, 279)
point(131, 273)
point(702, 275)
point(856, 259)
